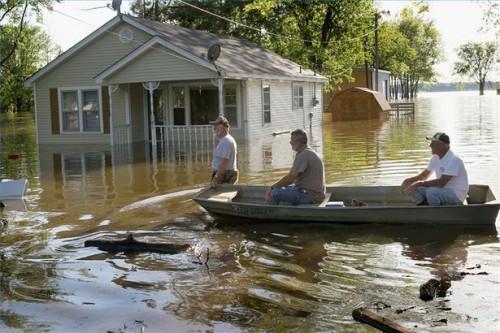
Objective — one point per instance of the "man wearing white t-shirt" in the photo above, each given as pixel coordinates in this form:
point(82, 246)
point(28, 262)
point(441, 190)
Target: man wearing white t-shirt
point(224, 169)
point(451, 184)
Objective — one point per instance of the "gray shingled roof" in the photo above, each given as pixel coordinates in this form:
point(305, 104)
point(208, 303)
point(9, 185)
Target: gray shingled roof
point(238, 56)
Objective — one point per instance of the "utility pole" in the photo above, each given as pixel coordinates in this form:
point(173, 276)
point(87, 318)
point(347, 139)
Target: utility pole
point(367, 77)
point(377, 15)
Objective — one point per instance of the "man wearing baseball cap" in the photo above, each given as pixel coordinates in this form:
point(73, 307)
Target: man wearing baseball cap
point(224, 168)
point(451, 185)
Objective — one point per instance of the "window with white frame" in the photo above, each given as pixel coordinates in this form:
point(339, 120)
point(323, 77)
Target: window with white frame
point(266, 102)
point(69, 109)
point(298, 96)
point(81, 110)
point(231, 105)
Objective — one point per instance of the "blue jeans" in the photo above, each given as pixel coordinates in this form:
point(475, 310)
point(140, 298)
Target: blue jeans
point(291, 195)
point(435, 196)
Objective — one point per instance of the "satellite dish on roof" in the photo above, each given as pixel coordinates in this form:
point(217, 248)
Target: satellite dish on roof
point(116, 4)
point(213, 52)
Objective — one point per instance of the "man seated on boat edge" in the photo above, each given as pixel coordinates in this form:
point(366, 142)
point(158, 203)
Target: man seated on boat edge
point(307, 175)
point(224, 169)
point(451, 184)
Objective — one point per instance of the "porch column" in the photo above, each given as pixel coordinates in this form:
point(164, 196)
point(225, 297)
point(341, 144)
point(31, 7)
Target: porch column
point(151, 86)
point(220, 87)
point(111, 89)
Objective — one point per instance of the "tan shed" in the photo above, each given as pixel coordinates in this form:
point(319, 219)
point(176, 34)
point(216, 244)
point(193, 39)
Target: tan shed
point(358, 104)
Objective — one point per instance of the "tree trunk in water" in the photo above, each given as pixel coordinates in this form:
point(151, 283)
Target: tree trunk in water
point(391, 88)
point(407, 86)
point(481, 88)
point(403, 88)
point(400, 88)
point(412, 88)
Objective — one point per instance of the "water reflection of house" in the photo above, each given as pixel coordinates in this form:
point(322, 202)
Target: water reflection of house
point(96, 174)
point(100, 90)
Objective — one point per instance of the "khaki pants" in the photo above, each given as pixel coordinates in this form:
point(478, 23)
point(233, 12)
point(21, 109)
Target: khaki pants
point(229, 177)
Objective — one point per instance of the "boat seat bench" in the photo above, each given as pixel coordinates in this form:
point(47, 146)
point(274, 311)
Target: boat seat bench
point(225, 196)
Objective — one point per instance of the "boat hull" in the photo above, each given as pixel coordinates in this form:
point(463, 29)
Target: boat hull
point(384, 205)
point(13, 189)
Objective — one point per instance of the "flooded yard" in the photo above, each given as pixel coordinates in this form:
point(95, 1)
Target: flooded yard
point(240, 276)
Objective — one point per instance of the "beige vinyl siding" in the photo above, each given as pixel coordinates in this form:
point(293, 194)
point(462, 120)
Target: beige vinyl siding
point(79, 70)
point(158, 64)
point(119, 115)
point(282, 116)
point(137, 112)
point(118, 104)
point(254, 108)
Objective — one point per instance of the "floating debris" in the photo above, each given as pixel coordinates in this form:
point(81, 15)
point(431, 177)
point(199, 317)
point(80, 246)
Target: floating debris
point(130, 244)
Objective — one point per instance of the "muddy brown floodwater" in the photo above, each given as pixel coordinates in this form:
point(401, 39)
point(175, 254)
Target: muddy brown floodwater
point(258, 277)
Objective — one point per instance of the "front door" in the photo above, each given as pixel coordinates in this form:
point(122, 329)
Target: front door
point(204, 102)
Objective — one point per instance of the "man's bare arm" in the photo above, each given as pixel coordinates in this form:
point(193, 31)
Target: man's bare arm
point(220, 172)
point(289, 179)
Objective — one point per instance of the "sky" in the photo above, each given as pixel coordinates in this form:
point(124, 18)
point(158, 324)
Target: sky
point(457, 21)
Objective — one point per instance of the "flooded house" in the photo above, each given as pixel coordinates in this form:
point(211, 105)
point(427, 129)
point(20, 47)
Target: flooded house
point(134, 80)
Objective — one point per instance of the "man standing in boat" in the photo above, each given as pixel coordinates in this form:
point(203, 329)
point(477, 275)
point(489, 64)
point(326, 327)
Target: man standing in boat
point(307, 174)
point(224, 170)
point(451, 184)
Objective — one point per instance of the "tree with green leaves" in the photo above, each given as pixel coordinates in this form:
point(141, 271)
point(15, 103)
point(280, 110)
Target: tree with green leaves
point(176, 12)
point(394, 47)
point(491, 17)
point(409, 46)
point(326, 36)
point(394, 50)
point(33, 51)
point(323, 35)
point(476, 60)
point(17, 13)
point(424, 39)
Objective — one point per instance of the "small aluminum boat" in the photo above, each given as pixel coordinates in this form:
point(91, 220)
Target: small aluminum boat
point(349, 204)
point(13, 189)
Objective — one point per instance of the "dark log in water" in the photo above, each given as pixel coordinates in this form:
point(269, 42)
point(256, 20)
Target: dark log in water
point(433, 287)
point(131, 245)
point(379, 322)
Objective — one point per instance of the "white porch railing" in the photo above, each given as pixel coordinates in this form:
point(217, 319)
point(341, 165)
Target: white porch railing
point(195, 141)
